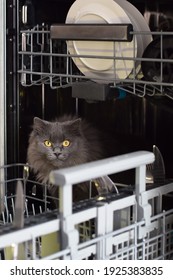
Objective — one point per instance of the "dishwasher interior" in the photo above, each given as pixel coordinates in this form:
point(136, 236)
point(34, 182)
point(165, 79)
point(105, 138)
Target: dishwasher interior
point(54, 67)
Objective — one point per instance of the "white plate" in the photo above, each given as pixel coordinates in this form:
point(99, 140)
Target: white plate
point(139, 24)
point(101, 70)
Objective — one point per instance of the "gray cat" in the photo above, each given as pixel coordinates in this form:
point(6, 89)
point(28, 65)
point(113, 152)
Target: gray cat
point(65, 142)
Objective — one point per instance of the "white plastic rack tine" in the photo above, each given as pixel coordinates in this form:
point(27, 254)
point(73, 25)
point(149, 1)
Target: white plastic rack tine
point(65, 178)
point(131, 224)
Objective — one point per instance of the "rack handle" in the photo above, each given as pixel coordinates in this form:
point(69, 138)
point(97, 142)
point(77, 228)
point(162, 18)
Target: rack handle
point(92, 32)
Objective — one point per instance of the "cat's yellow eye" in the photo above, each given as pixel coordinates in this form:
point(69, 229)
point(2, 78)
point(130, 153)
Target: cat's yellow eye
point(47, 143)
point(66, 143)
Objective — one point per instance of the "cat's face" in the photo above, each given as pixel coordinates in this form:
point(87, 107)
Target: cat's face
point(57, 142)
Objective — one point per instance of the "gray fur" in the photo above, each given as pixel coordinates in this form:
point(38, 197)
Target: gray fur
point(85, 145)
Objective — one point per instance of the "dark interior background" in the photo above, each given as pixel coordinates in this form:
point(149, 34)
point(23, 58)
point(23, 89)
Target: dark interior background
point(132, 123)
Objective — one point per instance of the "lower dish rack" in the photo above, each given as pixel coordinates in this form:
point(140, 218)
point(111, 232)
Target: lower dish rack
point(130, 224)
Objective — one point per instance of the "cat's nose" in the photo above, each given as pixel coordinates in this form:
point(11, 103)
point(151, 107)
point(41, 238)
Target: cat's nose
point(57, 149)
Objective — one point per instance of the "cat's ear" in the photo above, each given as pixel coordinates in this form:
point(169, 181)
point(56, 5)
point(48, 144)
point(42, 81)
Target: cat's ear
point(74, 126)
point(76, 122)
point(39, 125)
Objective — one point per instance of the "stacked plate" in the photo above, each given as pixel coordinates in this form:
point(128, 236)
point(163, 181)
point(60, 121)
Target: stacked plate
point(105, 70)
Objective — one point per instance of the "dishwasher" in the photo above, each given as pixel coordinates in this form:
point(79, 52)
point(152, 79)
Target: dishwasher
point(109, 62)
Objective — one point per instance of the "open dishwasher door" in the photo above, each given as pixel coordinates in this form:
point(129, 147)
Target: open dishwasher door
point(107, 78)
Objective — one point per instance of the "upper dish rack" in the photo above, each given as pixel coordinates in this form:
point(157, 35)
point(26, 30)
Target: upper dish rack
point(44, 58)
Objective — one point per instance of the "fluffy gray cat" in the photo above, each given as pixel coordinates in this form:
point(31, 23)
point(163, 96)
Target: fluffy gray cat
point(65, 142)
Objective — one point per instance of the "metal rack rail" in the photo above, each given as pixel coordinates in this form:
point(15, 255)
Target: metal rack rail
point(45, 59)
